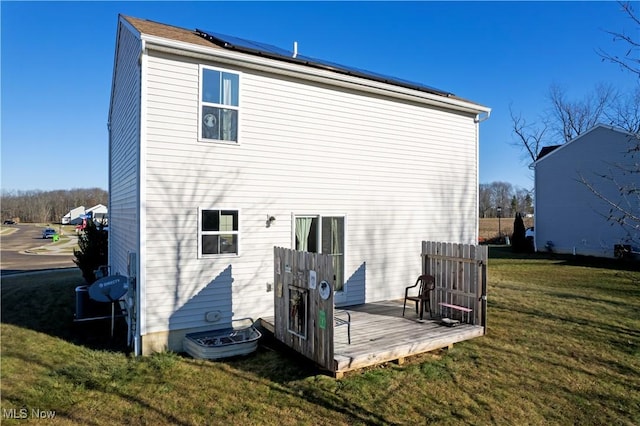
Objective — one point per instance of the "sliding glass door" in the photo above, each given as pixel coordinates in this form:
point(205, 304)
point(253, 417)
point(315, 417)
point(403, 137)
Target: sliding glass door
point(323, 234)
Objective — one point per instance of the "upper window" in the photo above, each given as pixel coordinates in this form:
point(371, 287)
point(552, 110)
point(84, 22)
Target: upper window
point(219, 105)
point(218, 232)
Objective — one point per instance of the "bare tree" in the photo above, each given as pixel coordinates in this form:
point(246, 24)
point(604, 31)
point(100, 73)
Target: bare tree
point(502, 194)
point(529, 136)
point(630, 59)
point(572, 118)
point(485, 203)
point(567, 119)
point(625, 111)
point(48, 206)
point(524, 201)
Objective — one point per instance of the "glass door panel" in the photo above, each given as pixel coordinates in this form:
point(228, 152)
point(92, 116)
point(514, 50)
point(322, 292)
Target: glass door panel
point(333, 245)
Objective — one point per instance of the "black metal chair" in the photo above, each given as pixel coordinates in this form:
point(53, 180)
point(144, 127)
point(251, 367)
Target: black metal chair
point(342, 321)
point(425, 284)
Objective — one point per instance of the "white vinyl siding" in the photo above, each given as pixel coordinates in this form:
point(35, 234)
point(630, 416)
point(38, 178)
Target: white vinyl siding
point(401, 173)
point(124, 153)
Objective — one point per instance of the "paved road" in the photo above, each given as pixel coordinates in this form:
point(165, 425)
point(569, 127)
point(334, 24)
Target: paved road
point(25, 237)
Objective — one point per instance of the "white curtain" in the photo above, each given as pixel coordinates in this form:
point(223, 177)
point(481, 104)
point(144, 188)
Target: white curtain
point(303, 226)
point(336, 250)
point(227, 88)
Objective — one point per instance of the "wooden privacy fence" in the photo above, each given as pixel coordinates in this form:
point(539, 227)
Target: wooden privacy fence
point(303, 303)
point(460, 271)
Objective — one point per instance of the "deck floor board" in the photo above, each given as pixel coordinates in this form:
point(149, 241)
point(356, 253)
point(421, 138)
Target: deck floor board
point(379, 333)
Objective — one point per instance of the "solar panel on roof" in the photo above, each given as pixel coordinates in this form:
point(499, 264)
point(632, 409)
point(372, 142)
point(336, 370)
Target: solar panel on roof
point(377, 76)
point(238, 43)
point(264, 49)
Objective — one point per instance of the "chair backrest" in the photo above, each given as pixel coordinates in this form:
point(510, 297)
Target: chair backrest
point(427, 283)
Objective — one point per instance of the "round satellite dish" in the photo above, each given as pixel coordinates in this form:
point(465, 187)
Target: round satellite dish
point(109, 289)
point(325, 290)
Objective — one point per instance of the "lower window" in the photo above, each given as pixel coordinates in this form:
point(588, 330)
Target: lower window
point(218, 232)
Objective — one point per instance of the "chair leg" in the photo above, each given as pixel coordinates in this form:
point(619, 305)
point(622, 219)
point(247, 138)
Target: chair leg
point(404, 307)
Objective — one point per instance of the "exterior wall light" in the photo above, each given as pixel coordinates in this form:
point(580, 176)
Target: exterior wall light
point(270, 220)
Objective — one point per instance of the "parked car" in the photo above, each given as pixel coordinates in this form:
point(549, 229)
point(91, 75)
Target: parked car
point(528, 233)
point(529, 236)
point(48, 233)
point(9, 222)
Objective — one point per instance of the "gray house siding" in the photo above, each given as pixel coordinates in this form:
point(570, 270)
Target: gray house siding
point(567, 212)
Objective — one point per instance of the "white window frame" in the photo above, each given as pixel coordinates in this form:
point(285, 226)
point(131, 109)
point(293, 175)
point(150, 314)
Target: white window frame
point(201, 233)
point(340, 296)
point(202, 104)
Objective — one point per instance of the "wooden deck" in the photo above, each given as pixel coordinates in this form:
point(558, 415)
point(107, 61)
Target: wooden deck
point(379, 333)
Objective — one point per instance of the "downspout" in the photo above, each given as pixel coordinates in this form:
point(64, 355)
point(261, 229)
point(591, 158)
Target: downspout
point(477, 120)
point(142, 50)
point(141, 276)
point(482, 266)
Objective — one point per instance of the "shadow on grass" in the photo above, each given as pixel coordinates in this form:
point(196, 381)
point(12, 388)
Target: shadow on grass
point(46, 303)
point(291, 374)
point(505, 252)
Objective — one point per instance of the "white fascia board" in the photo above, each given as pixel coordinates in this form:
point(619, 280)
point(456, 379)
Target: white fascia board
point(310, 73)
point(113, 73)
point(597, 126)
point(122, 23)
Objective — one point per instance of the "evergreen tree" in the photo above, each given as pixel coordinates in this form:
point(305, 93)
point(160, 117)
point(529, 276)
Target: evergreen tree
point(93, 250)
point(518, 239)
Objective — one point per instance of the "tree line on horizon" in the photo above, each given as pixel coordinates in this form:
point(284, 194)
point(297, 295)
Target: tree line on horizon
point(503, 199)
point(36, 206)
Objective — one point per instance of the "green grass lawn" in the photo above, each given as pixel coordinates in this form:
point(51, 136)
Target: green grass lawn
point(563, 347)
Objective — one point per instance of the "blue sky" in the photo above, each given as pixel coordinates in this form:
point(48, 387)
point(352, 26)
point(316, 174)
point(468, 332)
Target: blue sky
point(57, 61)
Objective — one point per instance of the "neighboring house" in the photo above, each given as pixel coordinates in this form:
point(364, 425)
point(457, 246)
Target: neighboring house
point(569, 214)
point(219, 152)
point(74, 217)
point(98, 213)
point(77, 216)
